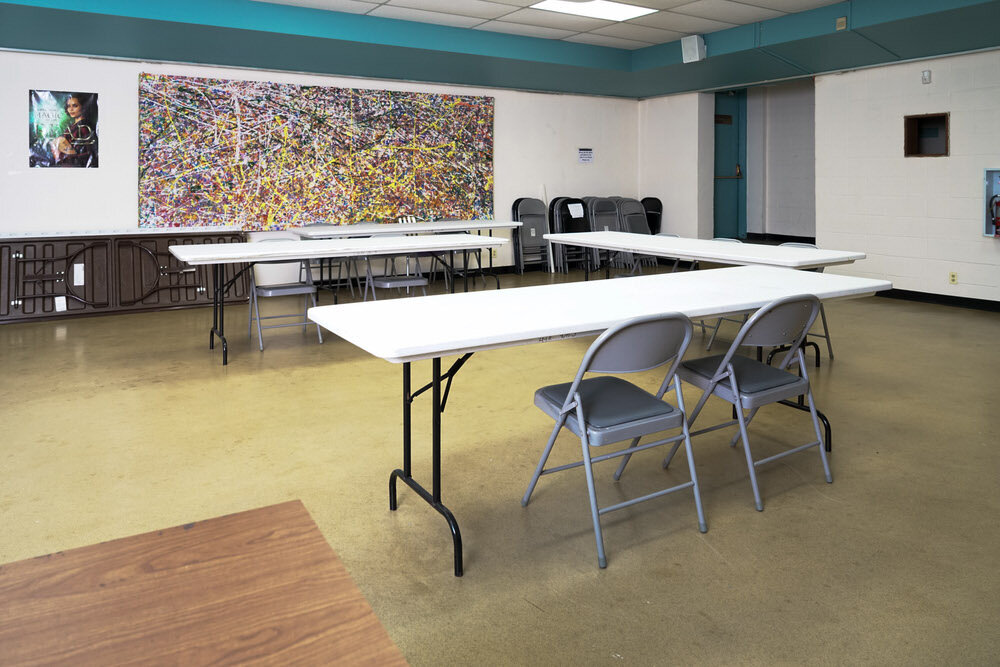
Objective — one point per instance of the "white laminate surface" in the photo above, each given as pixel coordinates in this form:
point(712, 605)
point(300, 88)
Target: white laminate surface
point(378, 229)
point(277, 251)
point(401, 330)
point(709, 250)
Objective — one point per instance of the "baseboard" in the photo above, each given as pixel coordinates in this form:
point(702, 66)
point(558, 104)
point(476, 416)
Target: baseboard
point(942, 299)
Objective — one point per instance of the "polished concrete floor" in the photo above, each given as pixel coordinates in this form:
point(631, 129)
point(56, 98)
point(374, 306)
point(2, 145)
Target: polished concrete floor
point(120, 425)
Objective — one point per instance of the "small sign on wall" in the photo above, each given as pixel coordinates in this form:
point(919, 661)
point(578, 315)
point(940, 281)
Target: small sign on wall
point(585, 155)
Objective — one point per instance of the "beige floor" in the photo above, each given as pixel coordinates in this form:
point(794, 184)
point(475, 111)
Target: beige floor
point(121, 425)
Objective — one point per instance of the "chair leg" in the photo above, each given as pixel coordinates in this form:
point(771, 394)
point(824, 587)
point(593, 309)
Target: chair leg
point(749, 418)
point(319, 329)
point(621, 466)
point(260, 333)
point(690, 421)
point(541, 462)
point(758, 503)
point(588, 466)
point(702, 525)
point(819, 437)
point(715, 331)
point(826, 331)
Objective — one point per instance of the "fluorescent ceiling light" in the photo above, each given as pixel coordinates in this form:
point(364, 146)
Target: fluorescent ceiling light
point(597, 9)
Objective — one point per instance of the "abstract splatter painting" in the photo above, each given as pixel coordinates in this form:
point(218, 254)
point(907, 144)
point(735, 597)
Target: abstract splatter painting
point(266, 156)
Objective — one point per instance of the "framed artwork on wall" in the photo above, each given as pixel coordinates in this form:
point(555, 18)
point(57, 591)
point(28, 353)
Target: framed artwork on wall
point(62, 129)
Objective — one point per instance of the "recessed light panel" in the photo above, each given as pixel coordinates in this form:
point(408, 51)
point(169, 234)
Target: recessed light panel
point(596, 9)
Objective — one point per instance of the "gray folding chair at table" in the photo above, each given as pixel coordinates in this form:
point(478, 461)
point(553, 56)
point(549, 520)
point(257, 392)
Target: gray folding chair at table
point(749, 384)
point(303, 286)
point(718, 322)
point(606, 410)
point(822, 311)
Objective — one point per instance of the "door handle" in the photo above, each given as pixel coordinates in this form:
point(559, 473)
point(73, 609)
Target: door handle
point(739, 174)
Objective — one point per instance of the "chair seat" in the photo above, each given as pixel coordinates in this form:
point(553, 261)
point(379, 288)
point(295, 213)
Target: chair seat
point(616, 409)
point(393, 282)
point(290, 289)
point(758, 382)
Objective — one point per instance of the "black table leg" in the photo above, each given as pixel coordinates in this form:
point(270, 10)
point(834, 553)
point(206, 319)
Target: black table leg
point(218, 315)
point(432, 498)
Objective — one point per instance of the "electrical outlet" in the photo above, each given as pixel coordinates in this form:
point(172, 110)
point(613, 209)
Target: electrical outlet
point(493, 253)
point(953, 277)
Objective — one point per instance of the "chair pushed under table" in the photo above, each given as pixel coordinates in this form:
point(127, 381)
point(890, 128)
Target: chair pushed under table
point(749, 384)
point(605, 410)
point(304, 287)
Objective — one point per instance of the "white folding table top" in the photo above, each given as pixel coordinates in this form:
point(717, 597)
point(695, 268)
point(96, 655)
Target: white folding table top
point(709, 250)
point(377, 229)
point(276, 251)
point(401, 330)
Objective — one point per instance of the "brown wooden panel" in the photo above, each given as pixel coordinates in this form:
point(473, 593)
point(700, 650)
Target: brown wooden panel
point(256, 587)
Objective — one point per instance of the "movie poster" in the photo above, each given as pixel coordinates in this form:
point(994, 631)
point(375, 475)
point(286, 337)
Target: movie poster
point(62, 129)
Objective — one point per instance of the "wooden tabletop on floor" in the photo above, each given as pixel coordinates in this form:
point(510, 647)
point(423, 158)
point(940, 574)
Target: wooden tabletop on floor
point(261, 586)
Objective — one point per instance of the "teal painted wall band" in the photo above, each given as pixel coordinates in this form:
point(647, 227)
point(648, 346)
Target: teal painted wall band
point(737, 57)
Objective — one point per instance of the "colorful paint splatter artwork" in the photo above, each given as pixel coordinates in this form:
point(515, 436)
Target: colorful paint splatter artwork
point(266, 156)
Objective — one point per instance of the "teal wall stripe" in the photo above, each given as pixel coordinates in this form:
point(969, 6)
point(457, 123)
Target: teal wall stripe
point(779, 49)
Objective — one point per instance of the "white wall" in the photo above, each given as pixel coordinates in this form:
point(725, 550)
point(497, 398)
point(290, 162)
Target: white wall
point(917, 218)
point(780, 159)
point(676, 154)
point(536, 137)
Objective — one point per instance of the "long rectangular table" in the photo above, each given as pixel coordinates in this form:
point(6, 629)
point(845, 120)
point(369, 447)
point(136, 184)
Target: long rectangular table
point(462, 324)
point(261, 586)
point(395, 228)
point(707, 250)
point(218, 255)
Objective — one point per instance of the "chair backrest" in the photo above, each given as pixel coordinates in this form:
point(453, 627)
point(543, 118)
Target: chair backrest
point(632, 216)
point(782, 322)
point(531, 214)
point(799, 244)
point(654, 213)
point(569, 215)
point(639, 344)
point(603, 214)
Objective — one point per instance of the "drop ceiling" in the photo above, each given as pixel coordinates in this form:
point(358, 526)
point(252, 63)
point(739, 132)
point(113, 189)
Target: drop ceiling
point(672, 20)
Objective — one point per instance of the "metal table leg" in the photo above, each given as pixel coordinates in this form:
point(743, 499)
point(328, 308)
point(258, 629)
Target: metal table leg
point(438, 402)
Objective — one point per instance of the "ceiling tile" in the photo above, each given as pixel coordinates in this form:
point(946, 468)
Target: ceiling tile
point(478, 8)
point(406, 14)
point(604, 40)
point(555, 20)
point(727, 11)
point(688, 25)
point(639, 33)
point(526, 30)
point(348, 6)
point(659, 4)
point(793, 5)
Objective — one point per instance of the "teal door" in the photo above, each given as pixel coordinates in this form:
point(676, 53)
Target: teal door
point(730, 164)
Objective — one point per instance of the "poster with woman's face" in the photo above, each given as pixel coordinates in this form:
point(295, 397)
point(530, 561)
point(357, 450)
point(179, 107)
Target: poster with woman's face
point(62, 129)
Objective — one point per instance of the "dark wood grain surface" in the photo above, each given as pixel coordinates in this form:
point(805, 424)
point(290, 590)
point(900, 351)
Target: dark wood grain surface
point(261, 586)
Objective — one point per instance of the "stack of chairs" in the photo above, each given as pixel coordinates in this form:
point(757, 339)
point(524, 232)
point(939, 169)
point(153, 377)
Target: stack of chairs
point(568, 215)
point(530, 246)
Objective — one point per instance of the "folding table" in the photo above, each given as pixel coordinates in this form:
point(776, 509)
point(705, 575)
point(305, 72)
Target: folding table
point(707, 250)
point(465, 323)
point(219, 254)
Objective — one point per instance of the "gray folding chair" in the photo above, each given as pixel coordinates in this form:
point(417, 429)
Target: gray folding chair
point(303, 287)
point(749, 384)
point(822, 311)
point(718, 322)
point(606, 410)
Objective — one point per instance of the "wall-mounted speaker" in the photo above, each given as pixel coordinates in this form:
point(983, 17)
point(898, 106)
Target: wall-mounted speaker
point(692, 48)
